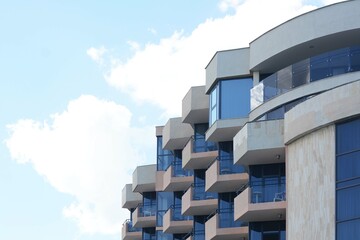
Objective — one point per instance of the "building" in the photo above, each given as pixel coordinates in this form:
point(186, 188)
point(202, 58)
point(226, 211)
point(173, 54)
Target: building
point(269, 148)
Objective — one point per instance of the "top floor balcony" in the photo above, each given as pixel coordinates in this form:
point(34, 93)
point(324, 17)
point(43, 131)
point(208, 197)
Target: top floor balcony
point(129, 198)
point(322, 66)
point(195, 106)
point(176, 134)
point(144, 178)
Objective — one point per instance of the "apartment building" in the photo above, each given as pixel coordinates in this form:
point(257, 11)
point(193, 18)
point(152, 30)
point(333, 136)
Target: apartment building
point(269, 148)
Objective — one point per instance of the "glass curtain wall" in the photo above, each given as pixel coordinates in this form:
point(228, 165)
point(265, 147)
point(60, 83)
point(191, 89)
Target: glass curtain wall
point(230, 99)
point(199, 186)
point(164, 157)
point(348, 180)
point(226, 211)
point(200, 145)
point(164, 201)
point(149, 204)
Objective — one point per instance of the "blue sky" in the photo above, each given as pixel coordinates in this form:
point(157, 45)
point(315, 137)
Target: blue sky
point(83, 83)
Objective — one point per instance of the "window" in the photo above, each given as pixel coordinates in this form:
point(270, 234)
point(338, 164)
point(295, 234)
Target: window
point(164, 201)
point(274, 230)
point(164, 157)
point(230, 99)
point(200, 145)
point(267, 183)
point(226, 159)
point(226, 211)
point(348, 180)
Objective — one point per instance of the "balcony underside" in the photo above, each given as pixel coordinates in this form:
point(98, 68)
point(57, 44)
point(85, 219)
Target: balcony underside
point(200, 160)
point(200, 207)
point(226, 182)
point(262, 156)
point(268, 211)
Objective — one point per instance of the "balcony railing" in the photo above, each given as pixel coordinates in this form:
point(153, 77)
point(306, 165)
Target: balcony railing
point(226, 166)
point(200, 194)
point(268, 190)
point(176, 213)
point(226, 219)
point(200, 145)
point(319, 67)
point(178, 171)
point(130, 227)
point(147, 210)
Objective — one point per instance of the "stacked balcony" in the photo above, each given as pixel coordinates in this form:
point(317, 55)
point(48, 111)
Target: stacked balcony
point(260, 143)
point(262, 202)
point(129, 232)
point(195, 106)
point(221, 226)
point(176, 134)
point(224, 176)
point(196, 201)
point(144, 216)
point(129, 198)
point(176, 178)
point(198, 154)
point(144, 178)
point(175, 222)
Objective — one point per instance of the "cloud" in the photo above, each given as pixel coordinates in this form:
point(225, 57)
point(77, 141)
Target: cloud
point(134, 45)
point(152, 30)
point(162, 73)
point(224, 5)
point(97, 54)
point(88, 151)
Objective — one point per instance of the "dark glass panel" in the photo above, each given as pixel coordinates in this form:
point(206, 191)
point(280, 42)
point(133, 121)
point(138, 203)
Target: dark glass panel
point(274, 230)
point(160, 235)
point(320, 67)
point(235, 98)
point(347, 204)
point(148, 234)
point(164, 157)
point(340, 62)
point(348, 136)
point(355, 58)
point(199, 227)
point(213, 105)
point(226, 159)
point(270, 90)
point(300, 73)
point(284, 80)
point(349, 230)
point(199, 186)
point(200, 145)
point(348, 166)
point(277, 113)
point(164, 201)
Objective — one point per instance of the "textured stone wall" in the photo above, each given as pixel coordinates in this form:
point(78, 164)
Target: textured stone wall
point(310, 176)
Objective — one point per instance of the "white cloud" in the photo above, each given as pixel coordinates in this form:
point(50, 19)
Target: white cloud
point(327, 2)
point(97, 54)
point(152, 30)
point(134, 45)
point(224, 5)
point(89, 151)
point(162, 73)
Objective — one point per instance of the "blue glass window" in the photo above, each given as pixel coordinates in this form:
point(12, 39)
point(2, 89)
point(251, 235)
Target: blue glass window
point(200, 145)
point(160, 235)
point(267, 183)
point(164, 157)
point(164, 201)
point(199, 227)
point(148, 207)
point(178, 171)
point(348, 180)
point(226, 211)
point(148, 234)
point(226, 159)
point(199, 186)
point(230, 99)
point(275, 230)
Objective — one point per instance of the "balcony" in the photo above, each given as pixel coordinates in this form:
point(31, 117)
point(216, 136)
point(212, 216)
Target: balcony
point(225, 129)
point(144, 178)
point(261, 203)
point(260, 143)
point(176, 134)
point(177, 179)
point(175, 222)
point(129, 198)
point(223, 176)
point(129, 232)
point(195, 106)
point(144, 216)
point(196, 201)
point(222, 226)
point(198, 154)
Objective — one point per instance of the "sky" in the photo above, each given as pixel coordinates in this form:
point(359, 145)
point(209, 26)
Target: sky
point(83, 85)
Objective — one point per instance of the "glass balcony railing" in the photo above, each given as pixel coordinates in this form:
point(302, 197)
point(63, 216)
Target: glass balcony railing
point(226, 219)
point(200, 145)
point(178, 171)
point(200, 194)
point(268, 190)
point(130, 227)
point(227, 166)
point(318, 67)
point(147, 210)
point(176, 214)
